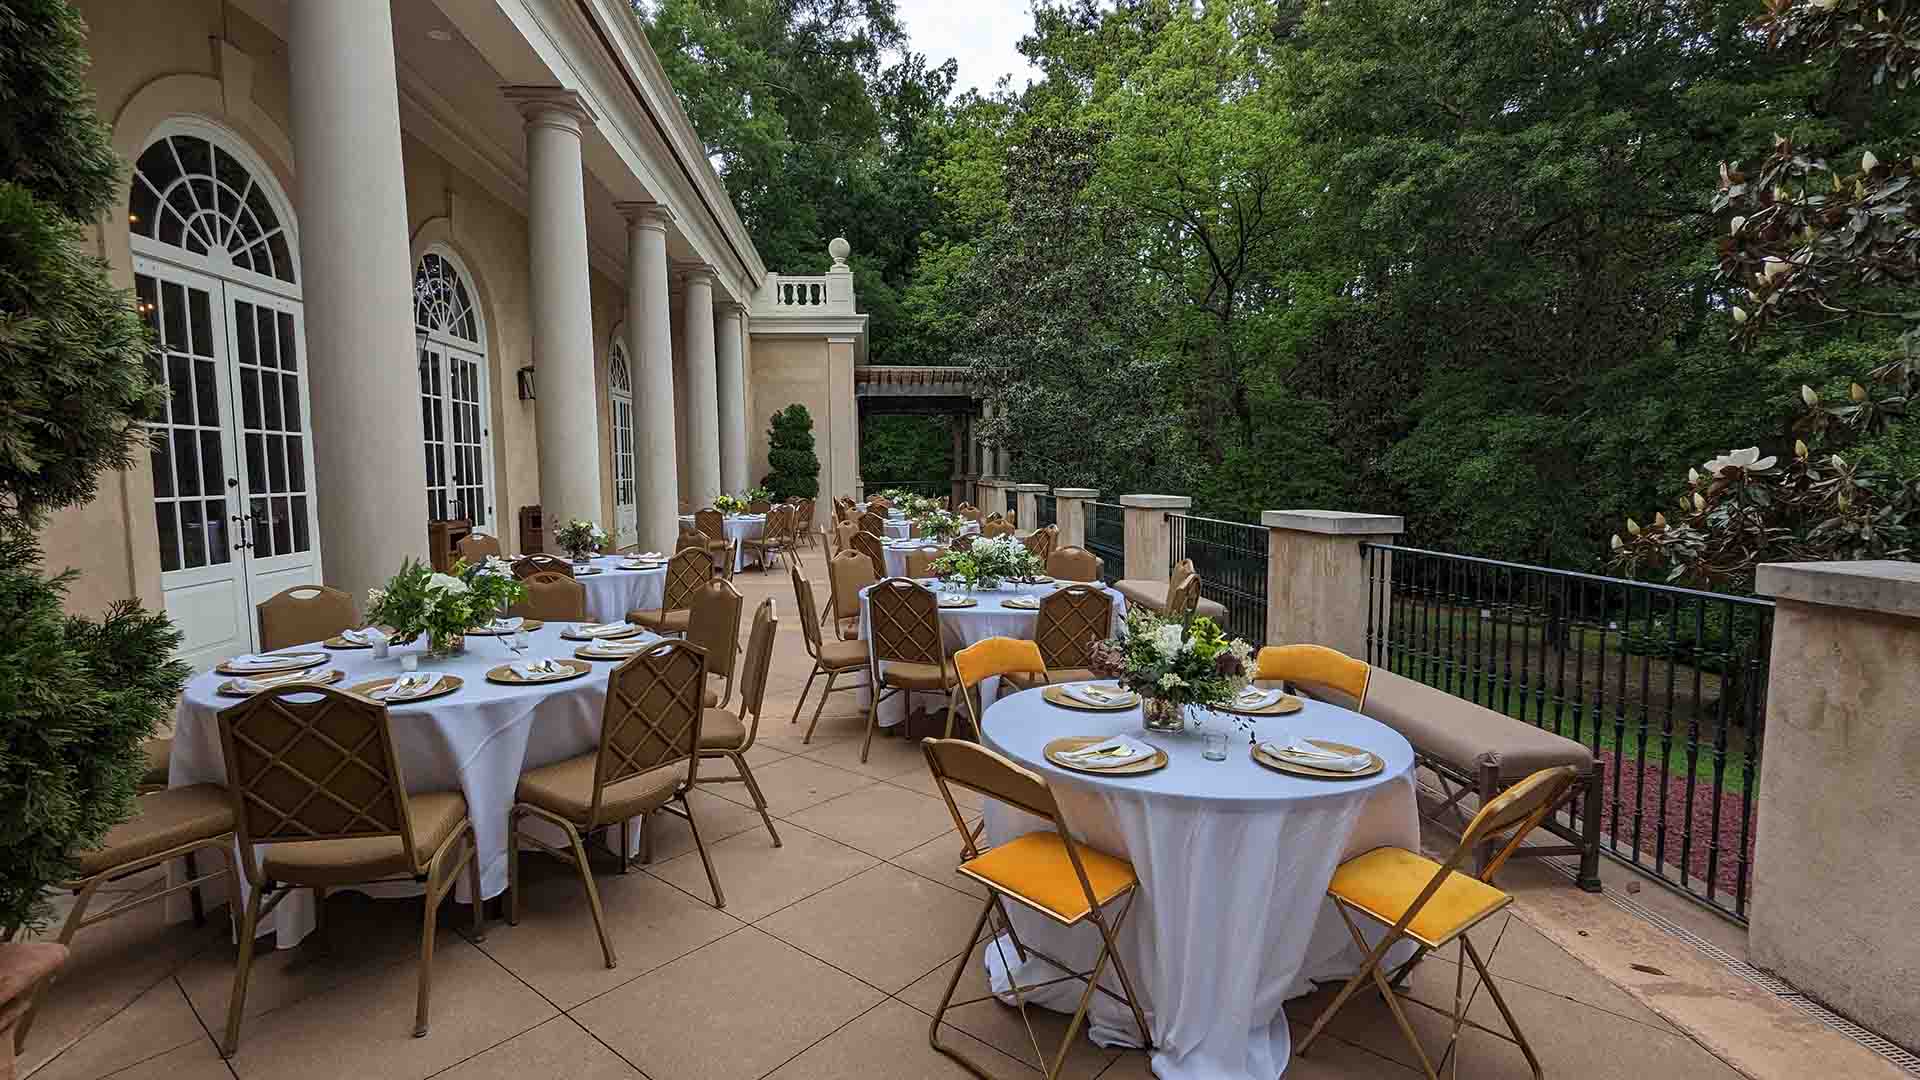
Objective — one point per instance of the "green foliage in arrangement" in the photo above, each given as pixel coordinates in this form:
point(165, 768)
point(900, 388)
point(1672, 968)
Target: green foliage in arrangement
point(793, 468)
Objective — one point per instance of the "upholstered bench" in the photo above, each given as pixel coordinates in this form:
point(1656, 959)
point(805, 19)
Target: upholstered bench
point(1485, 752)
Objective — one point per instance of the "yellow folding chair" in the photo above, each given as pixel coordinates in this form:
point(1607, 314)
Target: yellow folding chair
point(986, 659)
point(1315, 669)
point(1432, 904)
point(1046, 871)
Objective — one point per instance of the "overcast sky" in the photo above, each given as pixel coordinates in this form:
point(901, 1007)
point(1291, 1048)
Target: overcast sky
point(981, 34)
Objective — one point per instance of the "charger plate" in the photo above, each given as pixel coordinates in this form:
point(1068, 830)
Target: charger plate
point(226, 666)
point(1057, 695)
point(327, 679)
point(505, 674)
point(586, 652)
point(586, 571)
point(447, 685)
point(616, 635)
point(1282, 765)
point(638, 565)
point(1285, 704)
point(1071, 743)
point(966, 602)
point(529, 625)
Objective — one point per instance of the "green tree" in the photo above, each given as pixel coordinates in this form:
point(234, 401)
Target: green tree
point(906, 450)
point(793, 470)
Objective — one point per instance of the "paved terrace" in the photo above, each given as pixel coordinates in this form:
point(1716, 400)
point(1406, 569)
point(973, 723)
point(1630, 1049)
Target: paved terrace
point(830, 957)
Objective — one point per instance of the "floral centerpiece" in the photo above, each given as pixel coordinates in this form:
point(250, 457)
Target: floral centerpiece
point(939, 524)
point(1173, 664)
point(985, 563)
point(759, 494)
point(420, 600)
point(580, 537)
point(730, 504)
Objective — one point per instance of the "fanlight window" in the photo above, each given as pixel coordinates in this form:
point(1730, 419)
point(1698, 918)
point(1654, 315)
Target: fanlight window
point(617, 375)
point(191, 194)
point(440, 300)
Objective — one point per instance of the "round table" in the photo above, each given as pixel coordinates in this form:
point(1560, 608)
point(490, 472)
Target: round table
point(899, 528)
point(961, 627)
point(478, 739)
point(614, 591)
point(896, 555)
point(737, 527)
point(1233, 859)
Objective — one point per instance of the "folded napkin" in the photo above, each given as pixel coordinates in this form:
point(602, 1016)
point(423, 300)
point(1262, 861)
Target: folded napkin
point(650, 556)
point(1096, 695)
point(1253, 697)
point(624, 648)
point(254, 686)
point(372, 635)
point(601, 629)
point(508, 625)
point(540, 669)
point(409, 686)
point(272, 660)
point(1302, 752)
point(1030, 603)
point(1109, 753)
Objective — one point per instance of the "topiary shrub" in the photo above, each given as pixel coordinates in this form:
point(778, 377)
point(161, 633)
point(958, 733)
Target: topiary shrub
point(794, 469)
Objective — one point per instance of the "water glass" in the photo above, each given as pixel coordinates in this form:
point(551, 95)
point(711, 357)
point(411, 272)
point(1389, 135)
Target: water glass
point(519, 641)
point(410, 662)
point(1213, 745)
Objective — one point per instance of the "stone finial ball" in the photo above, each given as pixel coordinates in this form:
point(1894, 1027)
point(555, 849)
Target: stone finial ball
point(839, 249)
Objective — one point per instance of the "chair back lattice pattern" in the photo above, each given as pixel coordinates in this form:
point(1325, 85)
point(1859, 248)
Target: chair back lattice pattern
point(848, 573)
point(689, 569)
point(552, 597)
point(758, 661)
point(652, 718)
point(311, 763)
point(1075, 564)
point(713, 623)
point(711, 523)
point(869, 545)
point(303, 614)
point(905, 620)
point(540, 563)
point(808, 608)
point(1040, 542)
point(1072, 620)
point(780, 521)
point(759, 506)
point(803, 516)
point(920, 562)
point(996, 527)
point(476, 547)
point(873, 524)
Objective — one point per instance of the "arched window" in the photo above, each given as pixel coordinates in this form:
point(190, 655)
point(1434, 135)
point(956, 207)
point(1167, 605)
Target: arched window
point(454, 415)
point(620, 394)
point(189, 192)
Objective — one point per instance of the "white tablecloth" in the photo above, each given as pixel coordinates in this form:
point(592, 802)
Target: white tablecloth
point(899, 529)
point(896, 556)
point(478, 740)
point(962, 627)
point(1233, 859)
point(613, 592)
point(737, 527)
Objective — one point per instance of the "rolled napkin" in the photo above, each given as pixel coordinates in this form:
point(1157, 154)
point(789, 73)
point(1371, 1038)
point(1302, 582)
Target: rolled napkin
point(409, 686)
point(1109, 753)
point(253, 686)
point(1254, 697)
point(1301, 752)
point(540, 669)
point(595, 630)
point(273, 660)
point(1097, 695)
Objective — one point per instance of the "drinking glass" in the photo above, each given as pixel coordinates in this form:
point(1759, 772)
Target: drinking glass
point(410, 662)
point(1213, 745)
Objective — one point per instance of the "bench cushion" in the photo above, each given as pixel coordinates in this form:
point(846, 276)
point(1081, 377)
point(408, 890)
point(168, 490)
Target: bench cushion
point(1153, 594)
point(1462, 735)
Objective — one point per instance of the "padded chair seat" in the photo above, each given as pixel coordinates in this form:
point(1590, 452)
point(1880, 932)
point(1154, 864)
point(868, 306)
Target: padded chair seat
point(566, 788)
point(436, 814)
point(1154, 595)
point(165, 819)
point(1386, 881)
point(907, 676)
point(1026, 680)
point(843, 655)
point(850, 628)
point(662, 622)
point(1035, 867)
point(721, 730)
point(1465, 736)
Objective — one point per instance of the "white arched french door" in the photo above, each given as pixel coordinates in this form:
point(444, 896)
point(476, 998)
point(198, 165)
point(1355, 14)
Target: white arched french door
point(215, 261)
point(454, 407)
point(626, 526)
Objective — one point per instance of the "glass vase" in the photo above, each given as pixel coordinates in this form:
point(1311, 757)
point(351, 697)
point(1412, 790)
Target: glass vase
point(441, 646)
point(1164, 716)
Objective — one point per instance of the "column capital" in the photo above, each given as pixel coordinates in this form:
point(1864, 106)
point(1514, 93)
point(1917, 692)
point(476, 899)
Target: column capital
point(1156, 502)
point(551, 106)
point(1334, 522)
point(646, 214)
point(732, 309)
point(694, 273)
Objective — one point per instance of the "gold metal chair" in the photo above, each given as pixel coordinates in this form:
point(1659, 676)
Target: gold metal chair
point(690, 539)
point(988, 658)
point(1075, 564)
point(1041, 542)
point(804, 530)
point(730, 735)
point(303, 615)
point(847, 574)
point(647, 761)
point(1072, 620)
point(713, 623)
point(843, 535)
point(920, 562)
point(541, 563)
point(476, 547)
point(312, 771)
point(1048, 872)
point(1316, 669)
point(776, 539)
point(552, 597)
point(869, 545)
point(996, 526)
point(1433, 904)
point(712, 524)
point(873, 524)
point(907, 652)
point(832, 658)
point(687, 571)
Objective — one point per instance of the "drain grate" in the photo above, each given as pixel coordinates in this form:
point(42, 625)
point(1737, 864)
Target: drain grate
point(1774, 985)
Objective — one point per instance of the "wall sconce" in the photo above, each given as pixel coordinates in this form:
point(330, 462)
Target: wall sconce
point(524, 377)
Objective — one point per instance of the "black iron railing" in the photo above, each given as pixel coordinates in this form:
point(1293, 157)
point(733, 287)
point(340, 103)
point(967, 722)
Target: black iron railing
point(1231, 559)
point(1046, 510)
point(1107, 537)
point(930, 488)
point(1666, 685)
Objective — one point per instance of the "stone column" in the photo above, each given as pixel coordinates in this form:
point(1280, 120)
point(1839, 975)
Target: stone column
point(566, 408)
point(1317, 577)
point(656, 470)
point(703, 391)
point(1837, 861)
point(1027, 504)
point(993, 495)
point(1149, 541)
point(958, 482)
point(1070, 506)
point(372, 498)
point(732, 382)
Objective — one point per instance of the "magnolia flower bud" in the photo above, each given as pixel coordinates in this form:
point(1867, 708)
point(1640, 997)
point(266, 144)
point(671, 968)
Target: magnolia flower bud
point(1659, 520)
point(1693, 475)
point(1839, 462)
point(1616, 542)
point(1857, 392)
point(1775, 267)
point(1739, 314)
point(1733, 226)
point(1842, 500)
point(1800, 449)
point(1807, 395)
point(1633, 527)
point(1699, 501)
point(1868, 162)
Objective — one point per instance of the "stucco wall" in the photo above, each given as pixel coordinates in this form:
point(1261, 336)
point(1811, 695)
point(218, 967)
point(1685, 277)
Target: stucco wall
point(817, 373)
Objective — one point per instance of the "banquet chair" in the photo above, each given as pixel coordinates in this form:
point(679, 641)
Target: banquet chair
point(477, 547)
point(304, 614)
point(879, 505)
point(1075, 564)
point(313, 773)
point(873, 524)
point(541, 563)
point(1323, 673)
point(996, 526)
point(759, 506)
point(831, 658)
point(552, 597)
point(687, 571)
point(847, 574)
point(920, 561)
point(843, 534)
point(712, 524)
point(869, 545)
point(1046, 871)
point(988, 658)
point(647, 760)
point(803, 530)
point(1072, 620)
point(729, 560)
point(690, 538)
point(730, 735)
point(777, 539)
point(713, 623)
point(1041, 541)
point(964, 541)
point(1434, 904)
point(906, 652)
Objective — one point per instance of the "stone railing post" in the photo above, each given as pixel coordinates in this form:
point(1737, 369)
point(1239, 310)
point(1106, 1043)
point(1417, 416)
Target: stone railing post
point(1149, 541)
point(993, 495)
point(1837, 862)
point(1317, 577)
point(1027, 506)
point(1070, 510)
